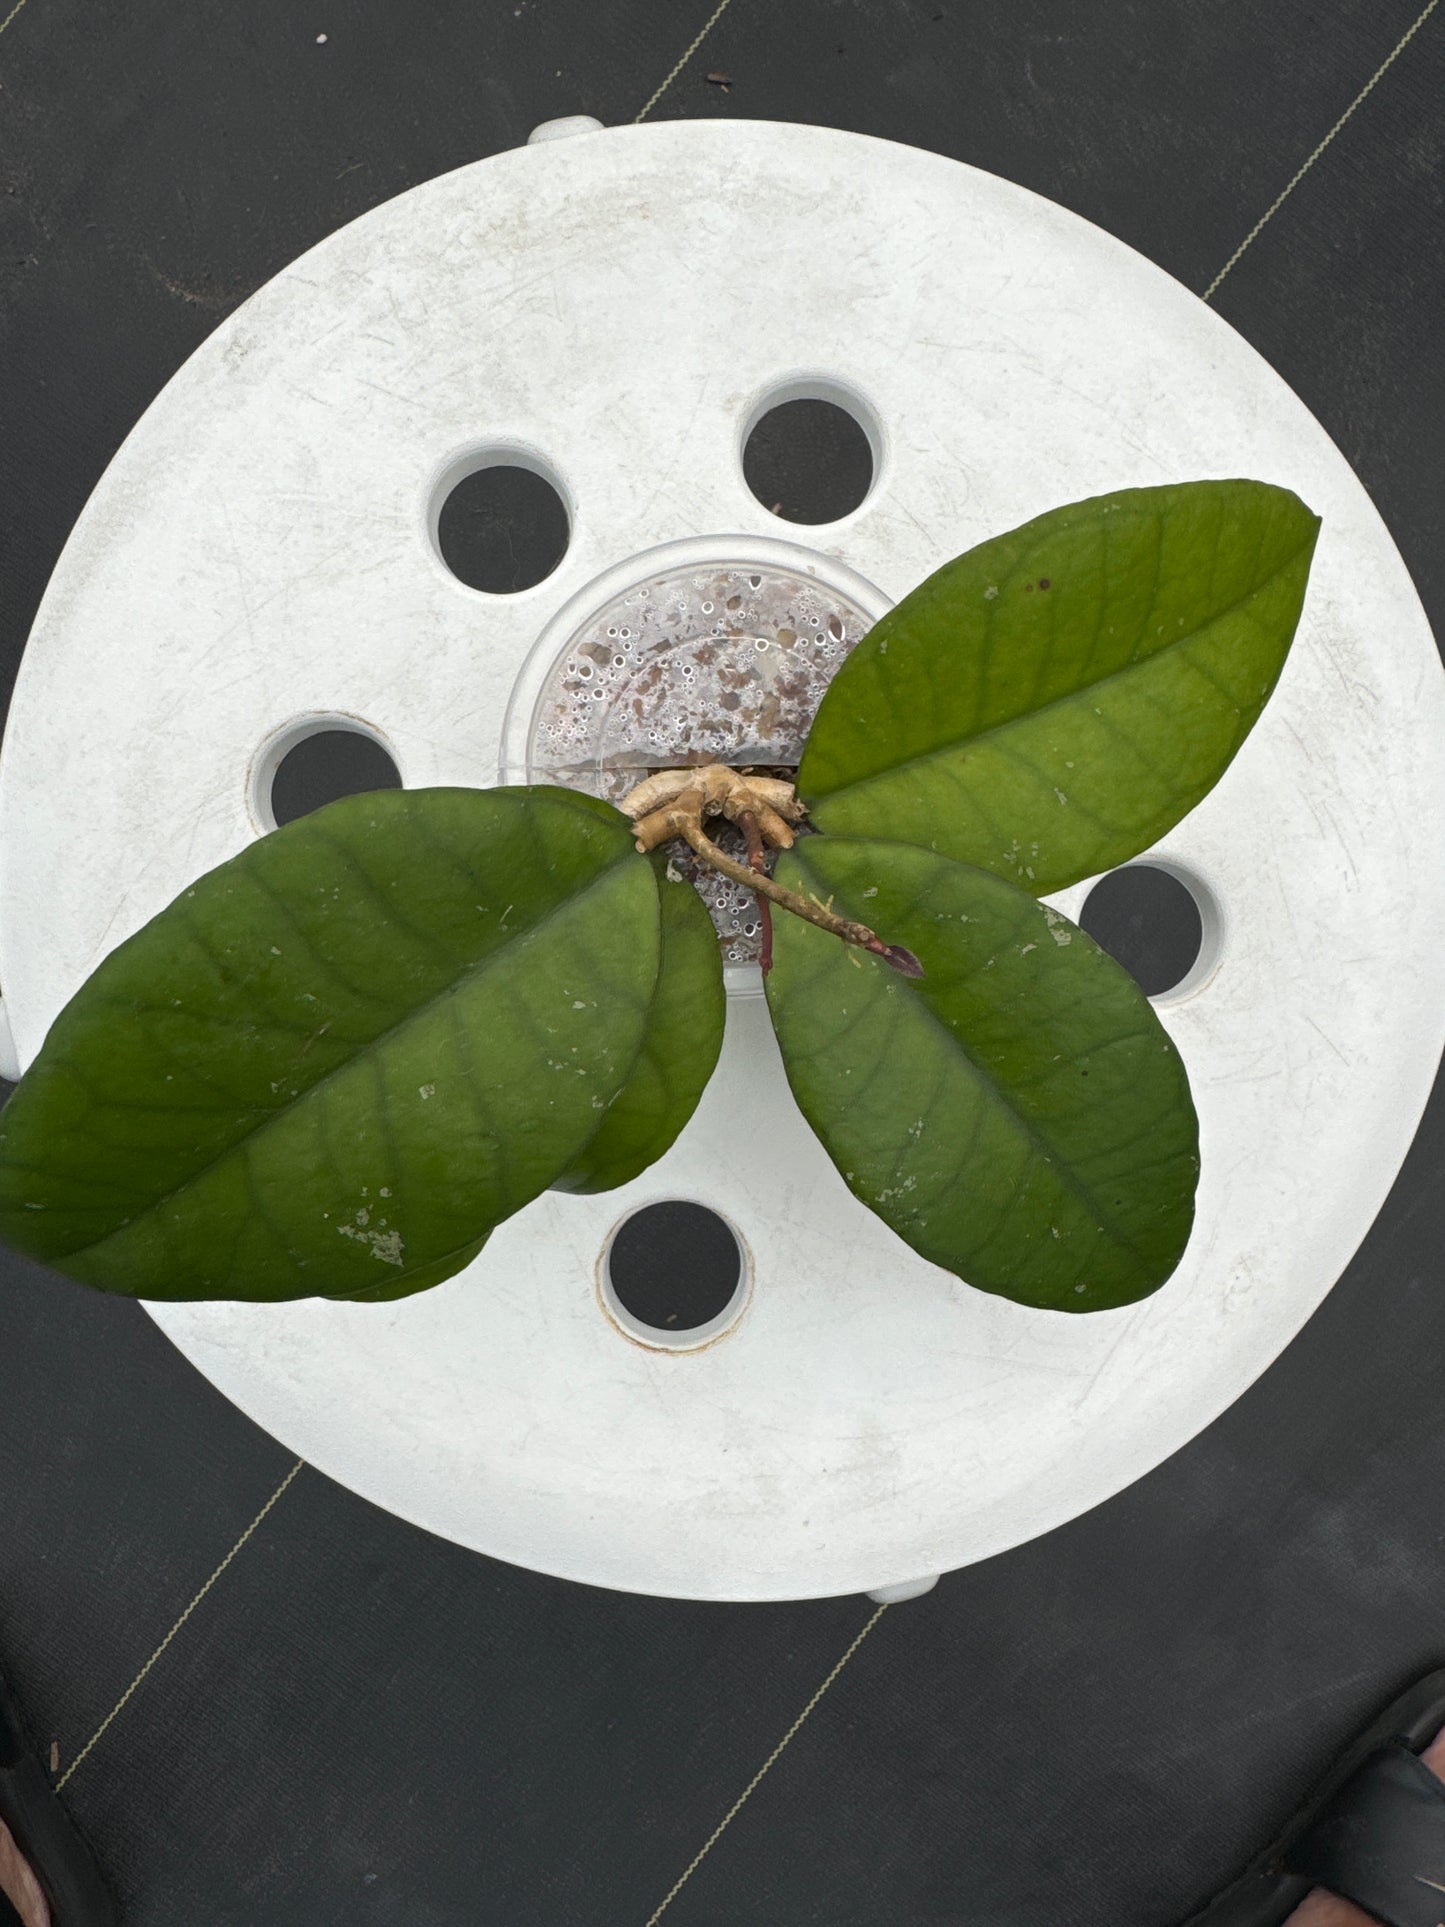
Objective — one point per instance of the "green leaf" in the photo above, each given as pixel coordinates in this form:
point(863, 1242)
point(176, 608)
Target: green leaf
point(1052, 702)
point(335, 1063)
point(407, 1283)
point(1018, 1115)
point(679, 1049)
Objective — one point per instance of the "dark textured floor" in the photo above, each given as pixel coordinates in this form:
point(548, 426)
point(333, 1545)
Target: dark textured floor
point(361, 1724)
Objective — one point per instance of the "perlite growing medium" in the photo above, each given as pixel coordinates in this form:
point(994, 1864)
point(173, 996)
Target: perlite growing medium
point(712, 664)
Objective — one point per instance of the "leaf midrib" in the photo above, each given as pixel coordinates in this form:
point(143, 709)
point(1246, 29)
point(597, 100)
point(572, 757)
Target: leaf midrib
point(1049, 1152)
point(418, 1011)
point(1035, 1136)
point(964, 743)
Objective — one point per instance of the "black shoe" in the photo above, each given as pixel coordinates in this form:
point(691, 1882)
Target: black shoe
point(45, 1833)
point(1372, 1832)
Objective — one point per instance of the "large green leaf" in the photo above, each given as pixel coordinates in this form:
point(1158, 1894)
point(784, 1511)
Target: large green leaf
point(679, 1050)
point(1052, 702)
point(1018, 1114)
point(338, 1060)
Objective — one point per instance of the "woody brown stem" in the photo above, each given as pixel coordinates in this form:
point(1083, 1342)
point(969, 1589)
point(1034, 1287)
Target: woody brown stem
point(758, 862)
point(687, 825)
point(674, 802)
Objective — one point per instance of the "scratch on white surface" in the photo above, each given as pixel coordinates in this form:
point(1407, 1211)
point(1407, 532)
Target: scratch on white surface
point(238, 564)
point(1360, 695)
point(508, 295)
point(1101, 404)
point(1082, 1396)
point(200, 818)
point(314, 571)
point(408, 401)
point(927, 534)
point(682, 446)
point(1342, 842)
point(1323, 1033)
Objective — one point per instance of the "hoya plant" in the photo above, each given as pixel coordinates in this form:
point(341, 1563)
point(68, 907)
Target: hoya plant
point(334, 1064)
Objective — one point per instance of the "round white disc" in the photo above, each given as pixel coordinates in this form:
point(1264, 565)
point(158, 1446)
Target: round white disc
point(615, 309)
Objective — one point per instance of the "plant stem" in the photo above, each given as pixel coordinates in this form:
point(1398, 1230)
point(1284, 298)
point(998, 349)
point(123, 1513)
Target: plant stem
point(758, 862)
point(674, 802)
point(816, 913)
